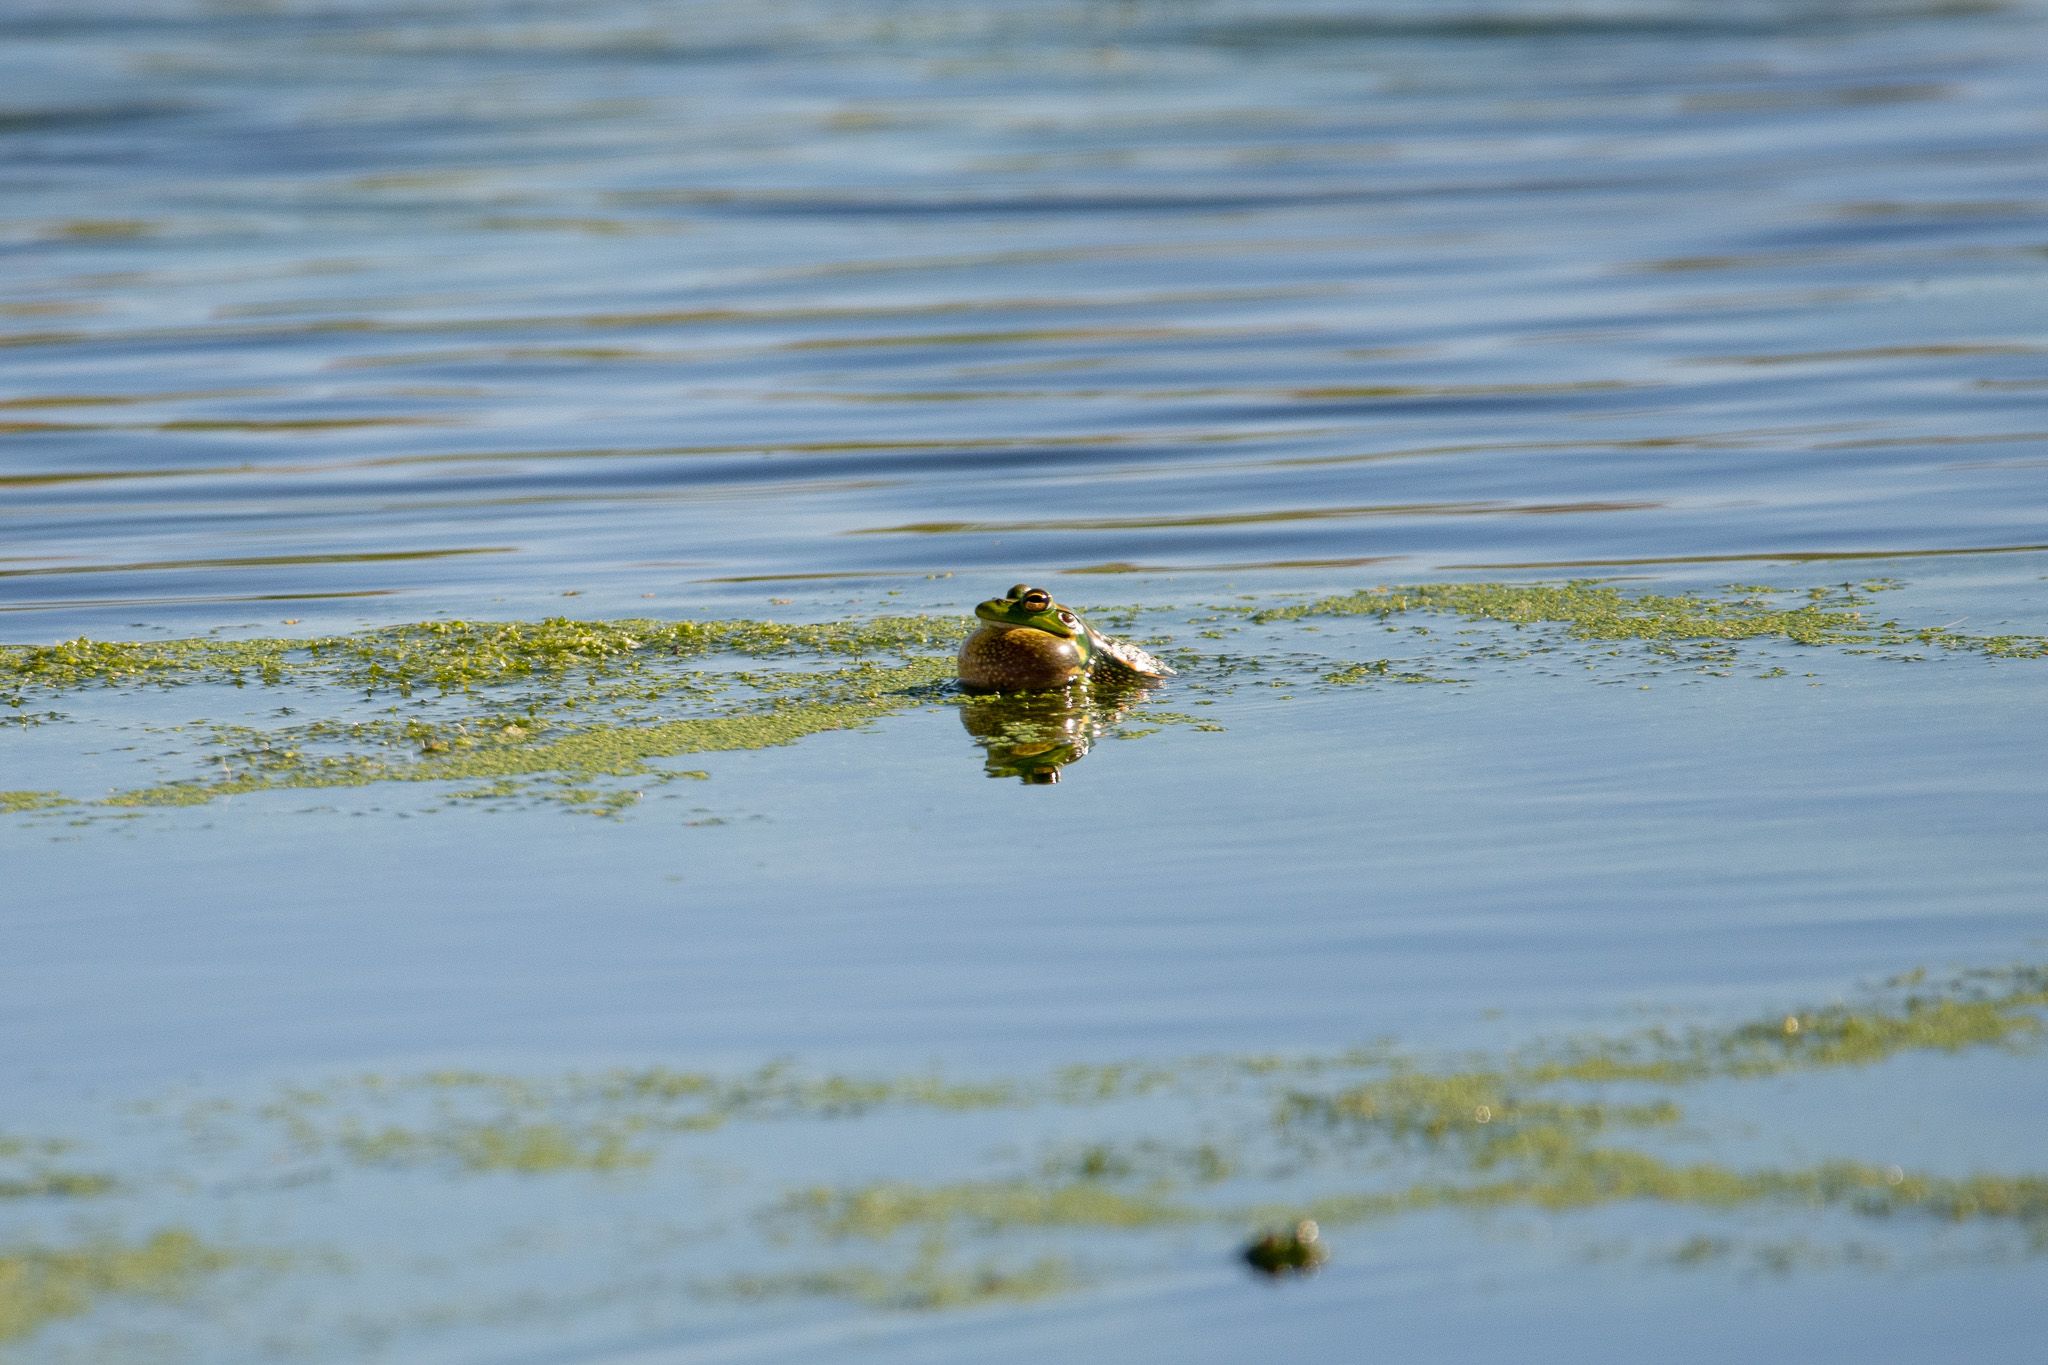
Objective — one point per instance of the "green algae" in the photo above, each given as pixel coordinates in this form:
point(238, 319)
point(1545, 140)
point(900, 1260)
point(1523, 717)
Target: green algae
point(774, 1091)
point(463, 1122)
point(27, 1172)
point(1553, 1171)
point(1357, 1139)
point(929, 1283)
point(880, 1211)
point(1376, 670)
point(1162, 1163)
point(449, 656)
point(40, 1284)
point(1565, 1177)
point(1480, 1111)
point(1777, 1257)
point(602, 751)
point(1488, 1106)
point(587, 714)
point(14, 1148)
point(18, 802)
point(555, 757)
point(1985, 1010)
point(1499, 1136)
point(1558, 1175)
point(56, 1184)
point(1594, 611)
point(73, 664)
point(604, 1119)
point(521, 1148)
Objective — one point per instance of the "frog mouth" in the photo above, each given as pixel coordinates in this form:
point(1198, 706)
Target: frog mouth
point(1004, 623)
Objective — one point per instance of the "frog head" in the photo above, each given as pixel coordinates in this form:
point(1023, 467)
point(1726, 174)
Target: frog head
point(1029, 608)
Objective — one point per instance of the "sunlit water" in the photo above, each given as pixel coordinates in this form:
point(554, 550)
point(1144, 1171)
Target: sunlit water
point(318, 316)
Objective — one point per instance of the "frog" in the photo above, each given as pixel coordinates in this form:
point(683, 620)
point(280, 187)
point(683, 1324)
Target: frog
point(1030, 643)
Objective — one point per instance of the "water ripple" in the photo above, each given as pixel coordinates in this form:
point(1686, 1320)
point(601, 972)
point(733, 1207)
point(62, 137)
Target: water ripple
point(1205, 286)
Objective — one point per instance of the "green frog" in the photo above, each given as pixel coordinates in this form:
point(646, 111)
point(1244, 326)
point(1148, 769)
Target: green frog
point(1030, 643)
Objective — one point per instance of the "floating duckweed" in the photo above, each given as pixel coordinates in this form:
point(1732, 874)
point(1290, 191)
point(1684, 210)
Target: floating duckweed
point(1432, 1107)
point(12, 1147)
point(1484, 1116)
point(1350, 1137)
point(55, 1184)
point(1595, 611)
point(1496, 1141)
point(1376, 670)
point(83, 663)
point(1700, 1248)
point(880, 1211)
point(602, 1121)
point(594, 700)
point(927, 1284)
point(525, 1148)
point(453, 656)
point(1157, 1162)
point(1549, 1169)
point(1563, 1175)
point(18, 802)
point(39, 1285)
point(605, 751)
point(584, 714)
point(1837, 1036)
point(35, 1178)
point(1080, 1084)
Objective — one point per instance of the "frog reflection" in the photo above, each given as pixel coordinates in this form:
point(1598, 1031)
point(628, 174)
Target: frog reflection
point(1032, 735)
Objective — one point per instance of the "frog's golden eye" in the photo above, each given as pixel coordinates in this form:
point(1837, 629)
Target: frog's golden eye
point(1035, 599)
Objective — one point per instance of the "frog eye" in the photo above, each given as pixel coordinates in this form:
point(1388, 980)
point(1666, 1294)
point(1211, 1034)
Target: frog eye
point(1019, 590)
point(1035, 599)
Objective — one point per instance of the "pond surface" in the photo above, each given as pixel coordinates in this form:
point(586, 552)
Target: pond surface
point(1641, 970)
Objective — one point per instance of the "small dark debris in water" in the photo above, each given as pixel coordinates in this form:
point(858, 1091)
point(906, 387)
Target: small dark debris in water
point(1299, 1250)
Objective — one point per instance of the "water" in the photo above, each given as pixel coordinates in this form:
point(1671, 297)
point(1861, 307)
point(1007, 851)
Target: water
point(316, 317)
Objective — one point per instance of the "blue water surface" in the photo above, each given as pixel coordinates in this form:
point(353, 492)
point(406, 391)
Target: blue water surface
point(325, 315)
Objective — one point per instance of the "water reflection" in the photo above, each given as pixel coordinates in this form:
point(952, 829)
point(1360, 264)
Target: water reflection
point(1032, 735)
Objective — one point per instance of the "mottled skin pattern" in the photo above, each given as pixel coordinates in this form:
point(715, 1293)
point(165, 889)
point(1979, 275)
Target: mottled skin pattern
point(1019, 659)
point(1030, 643)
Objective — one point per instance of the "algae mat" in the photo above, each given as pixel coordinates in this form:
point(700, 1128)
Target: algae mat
point(709, 1191)
point(586, 713)
point(1410, 910)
